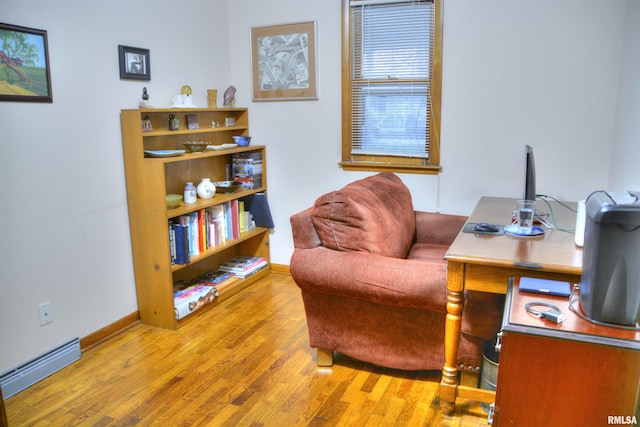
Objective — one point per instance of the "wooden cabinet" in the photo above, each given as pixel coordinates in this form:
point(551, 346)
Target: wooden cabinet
point(571, 374)
point(149, 180)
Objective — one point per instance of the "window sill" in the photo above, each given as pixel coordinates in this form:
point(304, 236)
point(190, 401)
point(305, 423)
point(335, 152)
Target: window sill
point(390, 167)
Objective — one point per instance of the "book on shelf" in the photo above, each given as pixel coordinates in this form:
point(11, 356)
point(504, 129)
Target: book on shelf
point(190, 295)
point(245, 217)
point(179, 244)
point(172, 244)
point(235, 219)
point(192, 122)
point(258, 206)
point(203, 241)
point(188, 299)
point(190, 234)
point(222, 286)
point(244, 266)
point(219, 279)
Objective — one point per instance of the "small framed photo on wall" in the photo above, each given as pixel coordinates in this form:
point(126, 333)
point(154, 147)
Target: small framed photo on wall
point(134, 63)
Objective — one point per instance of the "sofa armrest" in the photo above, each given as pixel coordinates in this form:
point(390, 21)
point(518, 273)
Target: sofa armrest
point(438, 228)
point(397, 282)
point(304, 232)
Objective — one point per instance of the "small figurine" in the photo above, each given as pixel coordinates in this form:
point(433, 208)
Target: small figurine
point(229, 96)
point(146, 124)
point(145, 98)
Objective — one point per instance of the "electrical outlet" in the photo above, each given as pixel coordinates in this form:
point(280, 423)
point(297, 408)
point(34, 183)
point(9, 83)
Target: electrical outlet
point(44, 310)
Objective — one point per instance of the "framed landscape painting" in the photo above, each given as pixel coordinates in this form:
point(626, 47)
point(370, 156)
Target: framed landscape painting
point(24, 65)
point(283, 59)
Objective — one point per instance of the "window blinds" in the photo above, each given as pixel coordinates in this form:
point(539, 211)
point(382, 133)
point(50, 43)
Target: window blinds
point(391, 50)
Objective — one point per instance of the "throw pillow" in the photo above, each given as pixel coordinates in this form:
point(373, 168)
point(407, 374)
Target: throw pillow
point(374, 215)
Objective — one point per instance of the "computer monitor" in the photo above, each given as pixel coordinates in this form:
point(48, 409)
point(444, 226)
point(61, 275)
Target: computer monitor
point(529, 174)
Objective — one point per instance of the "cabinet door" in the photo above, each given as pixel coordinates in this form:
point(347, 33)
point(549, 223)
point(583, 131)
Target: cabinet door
point(557, 382)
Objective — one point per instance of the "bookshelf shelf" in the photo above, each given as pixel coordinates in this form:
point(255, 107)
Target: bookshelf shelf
point(221, 248)
point(217, 200)
point(150, 179)
point(201, 130)
point(204, 154)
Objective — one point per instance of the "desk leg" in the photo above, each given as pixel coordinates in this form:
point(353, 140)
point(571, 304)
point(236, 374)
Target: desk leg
point(455, 301)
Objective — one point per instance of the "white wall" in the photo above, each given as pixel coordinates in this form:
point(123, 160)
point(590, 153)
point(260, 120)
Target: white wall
point(542, 72)
point(62, 190)
point(626, 138)
point(533, 72)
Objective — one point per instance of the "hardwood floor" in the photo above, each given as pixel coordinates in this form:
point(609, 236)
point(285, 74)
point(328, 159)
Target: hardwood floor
point(244, 362)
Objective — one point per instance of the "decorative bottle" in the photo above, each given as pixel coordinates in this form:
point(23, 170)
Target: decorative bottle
point(174, 122)
point(189, 193)
point(206, 189)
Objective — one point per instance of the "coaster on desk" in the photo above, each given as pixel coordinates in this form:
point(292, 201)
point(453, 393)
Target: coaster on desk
point(513, 230)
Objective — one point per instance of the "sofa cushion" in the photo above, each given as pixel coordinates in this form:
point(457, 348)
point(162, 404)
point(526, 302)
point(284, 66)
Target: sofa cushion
point(374, 215)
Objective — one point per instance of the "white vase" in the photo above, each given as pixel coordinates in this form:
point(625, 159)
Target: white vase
point(206, 189)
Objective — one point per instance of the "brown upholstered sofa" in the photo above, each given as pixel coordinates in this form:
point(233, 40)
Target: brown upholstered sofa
point(373, 279)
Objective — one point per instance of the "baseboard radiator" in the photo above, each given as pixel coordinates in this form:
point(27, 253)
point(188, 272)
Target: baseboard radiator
point(25, 375)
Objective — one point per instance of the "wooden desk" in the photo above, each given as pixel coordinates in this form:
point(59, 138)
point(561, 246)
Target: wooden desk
point(574, 373)
point(486, 262)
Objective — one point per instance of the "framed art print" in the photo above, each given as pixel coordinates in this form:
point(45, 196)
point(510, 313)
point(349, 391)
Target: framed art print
point(283, 62)
point(24, 65)
point(134, 63)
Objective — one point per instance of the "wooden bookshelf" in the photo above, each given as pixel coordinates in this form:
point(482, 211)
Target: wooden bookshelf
point(150, 179)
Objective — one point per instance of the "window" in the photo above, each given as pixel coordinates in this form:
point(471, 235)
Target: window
point(391, 85)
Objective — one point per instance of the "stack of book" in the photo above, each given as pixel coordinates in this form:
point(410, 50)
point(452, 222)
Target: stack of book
point(244, 266)
point(247, 169)
point(190, 295)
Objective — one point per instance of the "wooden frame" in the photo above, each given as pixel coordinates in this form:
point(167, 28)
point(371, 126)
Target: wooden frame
point(135, 63)
point(24, 65)
point(398, 164)
point(283, 62)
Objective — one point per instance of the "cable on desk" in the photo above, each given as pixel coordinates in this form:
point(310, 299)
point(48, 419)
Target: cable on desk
point(554, 315)
point(544, 198)
point(595, 322)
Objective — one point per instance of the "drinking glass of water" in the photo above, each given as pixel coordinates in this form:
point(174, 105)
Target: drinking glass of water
point(525, 216)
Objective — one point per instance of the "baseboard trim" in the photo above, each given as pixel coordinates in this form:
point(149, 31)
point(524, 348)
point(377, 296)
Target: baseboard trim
point(102, 335)
point(280, 269)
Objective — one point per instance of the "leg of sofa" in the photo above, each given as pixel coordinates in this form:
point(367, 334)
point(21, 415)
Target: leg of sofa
point(325, 357)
